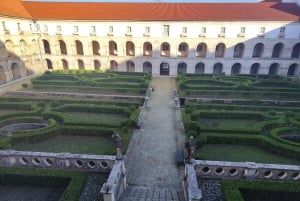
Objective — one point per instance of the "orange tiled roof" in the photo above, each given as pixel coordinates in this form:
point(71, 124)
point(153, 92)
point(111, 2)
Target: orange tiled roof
point(13, 8)
point(264, 11)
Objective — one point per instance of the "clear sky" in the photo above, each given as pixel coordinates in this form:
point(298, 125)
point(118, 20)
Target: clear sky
point(225, 1)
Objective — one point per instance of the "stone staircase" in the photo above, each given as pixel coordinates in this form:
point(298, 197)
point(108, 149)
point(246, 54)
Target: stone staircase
point(138, 193)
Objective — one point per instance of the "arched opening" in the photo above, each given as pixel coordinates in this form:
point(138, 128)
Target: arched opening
point(164, 69)
point(10, 47)
point(220, 50)
point(80, 64)
point(258, 50)
point(63, 47)
point(277, 50)
point(147, 49)
point(23, 47)
point(2, 75)
point(130, 66)
point(218, 69)
point(34, 48)
point(201, 50)
point(130, 48)
point(199, 68)
point(182, 68)
point(254, 69)
point(46, 47)
point(113, 65)
point(97, 65)
point(183, 50)
point(147, 67)
point(113, 49)
point(16, 71)
point(49, 64)
point(236, 69)
point(293, 70)
point(274, 68)
point(65, 64)
point(79, 47)
point(165, 50)
point(96, 47)
point(296, 51)
point(3, 52)
point(238, 51)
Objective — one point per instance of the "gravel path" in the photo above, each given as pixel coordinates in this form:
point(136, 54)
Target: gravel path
point(151, 155)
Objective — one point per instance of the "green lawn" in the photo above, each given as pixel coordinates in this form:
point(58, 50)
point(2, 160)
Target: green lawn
point(96, 117)
point(240, 153)
point(231, 124)
point(4, 112)
point(72, 144)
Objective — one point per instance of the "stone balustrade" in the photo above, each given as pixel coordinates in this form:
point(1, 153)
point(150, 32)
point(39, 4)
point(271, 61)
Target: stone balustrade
point(246, 170)
point(116, 182)
point(67, 161)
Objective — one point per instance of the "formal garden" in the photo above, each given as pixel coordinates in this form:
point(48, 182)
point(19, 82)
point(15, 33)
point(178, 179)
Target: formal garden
point(245, 118)
point(70, 124)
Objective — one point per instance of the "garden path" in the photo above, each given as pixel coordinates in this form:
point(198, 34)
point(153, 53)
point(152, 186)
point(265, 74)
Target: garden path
point(151, 167)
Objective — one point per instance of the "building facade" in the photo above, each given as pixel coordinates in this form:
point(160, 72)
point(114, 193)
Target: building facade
point(162, 38)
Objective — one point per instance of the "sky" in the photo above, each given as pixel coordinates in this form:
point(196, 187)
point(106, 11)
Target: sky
point(225, 1)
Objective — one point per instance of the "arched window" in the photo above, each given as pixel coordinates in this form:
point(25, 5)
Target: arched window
point(236, 68)
point(147, 49)
point(15, 71)
point(165, 49)
point(46, 47)
point(258, 50)
point(147, 67)
point(63, 47)
point(130, 48)
point(277, 50)
point(130, 66)
point(79, 47)
point(296, 51)
point(49, 64)
point(238, 51)
point(2, 75)
point(254, 70)
point(274, 68)
point(65, 64)
point(201, 50)
point(293, 70)
point(199, 68)
point(80, 64)
point(96, 48)
point(182, 68)
point(113, 65)
point(23, 47)
point(97, 65)
point(183, 50)
point(113, 49)
point(218, 68)
point(220, 50)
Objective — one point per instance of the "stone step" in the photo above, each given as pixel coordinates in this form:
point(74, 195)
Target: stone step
point(140, 193)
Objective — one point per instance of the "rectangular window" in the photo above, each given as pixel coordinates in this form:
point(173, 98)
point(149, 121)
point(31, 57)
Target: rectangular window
point(262, 30)
point(45, 28)
point(203, 30)
point(93, 29)
point(58, 28)
point(282, 29)
point(75, 29)
point(184, 30)
point(223, 29)
point(147, 30)
point(128, 29)
point(37, 28)
point(110, 29)
point(166, 30)
point(243, 29)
